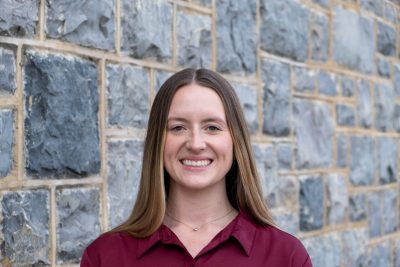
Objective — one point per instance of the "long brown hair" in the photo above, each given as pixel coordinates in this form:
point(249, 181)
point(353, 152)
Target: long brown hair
point(242, 180)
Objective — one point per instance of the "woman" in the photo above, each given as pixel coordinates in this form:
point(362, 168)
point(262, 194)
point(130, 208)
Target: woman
point(199, 201)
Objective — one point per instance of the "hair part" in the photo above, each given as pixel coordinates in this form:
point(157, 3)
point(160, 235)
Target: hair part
point(242, 180)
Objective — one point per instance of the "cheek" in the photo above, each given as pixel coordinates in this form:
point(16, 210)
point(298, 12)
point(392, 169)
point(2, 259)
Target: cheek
point(225, 148)
point(170, 148)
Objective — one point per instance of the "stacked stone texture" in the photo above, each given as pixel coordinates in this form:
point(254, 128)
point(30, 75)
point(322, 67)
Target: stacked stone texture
point(319, 82)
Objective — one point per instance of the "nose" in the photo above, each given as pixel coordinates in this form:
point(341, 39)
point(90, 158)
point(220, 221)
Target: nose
point(196, 142)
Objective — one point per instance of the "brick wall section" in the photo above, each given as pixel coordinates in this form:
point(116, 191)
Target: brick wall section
point(319, 81)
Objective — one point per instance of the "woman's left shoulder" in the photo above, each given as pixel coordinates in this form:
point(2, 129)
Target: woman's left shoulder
point(276, 234)
point(281, 243)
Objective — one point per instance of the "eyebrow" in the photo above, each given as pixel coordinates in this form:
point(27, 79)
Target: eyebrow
point(209, 119)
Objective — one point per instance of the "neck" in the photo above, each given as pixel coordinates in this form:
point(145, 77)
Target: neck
point(197, 206)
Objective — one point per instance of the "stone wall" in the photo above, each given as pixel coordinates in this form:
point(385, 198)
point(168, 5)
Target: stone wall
point(319, 81)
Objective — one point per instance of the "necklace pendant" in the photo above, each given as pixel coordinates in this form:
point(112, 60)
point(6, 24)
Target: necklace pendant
point(195, 229)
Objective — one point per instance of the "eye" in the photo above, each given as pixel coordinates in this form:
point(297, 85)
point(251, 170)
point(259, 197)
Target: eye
point(177, 128)
point(213, 128)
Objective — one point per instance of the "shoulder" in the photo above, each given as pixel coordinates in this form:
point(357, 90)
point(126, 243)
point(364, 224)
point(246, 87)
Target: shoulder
point(268, 234)
point(108, 246)
point(279, 236)
point(280, 244)
point(111, 239)
point(271, 244)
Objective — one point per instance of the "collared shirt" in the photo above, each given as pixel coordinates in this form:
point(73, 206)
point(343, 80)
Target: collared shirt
point(241, 243)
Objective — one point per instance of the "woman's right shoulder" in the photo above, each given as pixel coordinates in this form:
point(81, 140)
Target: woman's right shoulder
point(110, 246)
point(112, 240)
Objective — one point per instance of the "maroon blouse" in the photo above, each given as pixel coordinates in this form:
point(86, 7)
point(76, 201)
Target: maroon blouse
point(241, 243)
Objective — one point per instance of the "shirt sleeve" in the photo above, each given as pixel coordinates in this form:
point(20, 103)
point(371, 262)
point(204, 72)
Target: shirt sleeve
point(86, 261)
point(308, 262)
point(300, 256)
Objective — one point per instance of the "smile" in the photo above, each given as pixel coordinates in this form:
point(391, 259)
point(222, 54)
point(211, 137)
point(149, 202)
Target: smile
point(196, 163)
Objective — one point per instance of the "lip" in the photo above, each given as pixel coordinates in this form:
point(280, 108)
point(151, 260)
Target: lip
point(195, 158)
point(198, 161)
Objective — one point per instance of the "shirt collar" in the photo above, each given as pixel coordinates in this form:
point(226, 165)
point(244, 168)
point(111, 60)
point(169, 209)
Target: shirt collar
point(242, 228)
point(244, 231)
point(163, 233)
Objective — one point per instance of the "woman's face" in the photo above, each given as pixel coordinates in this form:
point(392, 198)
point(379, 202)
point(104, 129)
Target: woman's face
point(198, 148)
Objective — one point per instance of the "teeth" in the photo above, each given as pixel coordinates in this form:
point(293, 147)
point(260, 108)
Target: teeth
point(196, 163)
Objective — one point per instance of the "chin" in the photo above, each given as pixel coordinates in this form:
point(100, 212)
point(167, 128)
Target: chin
point(203, 185)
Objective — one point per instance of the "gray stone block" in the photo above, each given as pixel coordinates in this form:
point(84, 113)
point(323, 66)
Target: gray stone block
point(354, 250)
point(390, 12)
point(384, 68)
point(345, 115)
point(311, 203)
point(8, 69)
point(144, 35)
point(353, 44)
point(284, 156)
point(323, 3)
point(124, 170)
point(160, 76)
point(6, 141)
point(281, 191)
point(342, 146)
point(276, 108)
point(348, 86)
point(374, 217)
point(25, 228)
point(127, 96)
point(324, 250)
point(248, 99)
point(396, 260)
point(327, 83)
point(390, 218)
point(396, 72)
point(387, 159)
point(337, 198)
point(364, 104)
point(314, 133)
point(89, 23)
point(267, 165)
point(78, 222)
point(285, 28)
point(396, 121)
point(193, 40)
point(362, 160)
point(386, 39)
point(206, 3)
point(19, 18)
point(61, 105)
point(380, 255)
point(320, 37)
point(374, 6)
point(303, 80)
point(384, 107)
point(287, 221)
point(236, 31)
point(358, 207)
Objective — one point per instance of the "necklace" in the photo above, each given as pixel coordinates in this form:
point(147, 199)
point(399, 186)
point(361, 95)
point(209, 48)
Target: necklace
point(194, 229)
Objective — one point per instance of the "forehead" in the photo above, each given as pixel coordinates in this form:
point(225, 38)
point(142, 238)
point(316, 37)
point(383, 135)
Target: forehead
point(196, 99)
